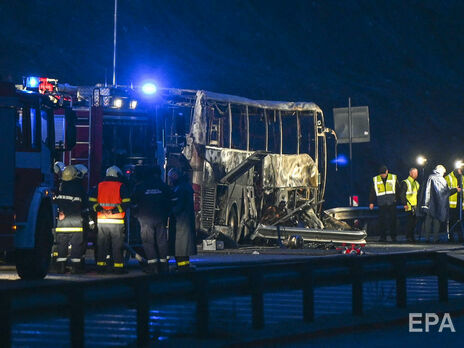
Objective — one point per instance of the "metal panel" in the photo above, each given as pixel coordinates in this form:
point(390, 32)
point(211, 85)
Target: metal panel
point(7, 144)
point(208, 202)
point(360, 124)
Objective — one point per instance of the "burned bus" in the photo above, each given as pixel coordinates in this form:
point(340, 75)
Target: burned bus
point(258, 168)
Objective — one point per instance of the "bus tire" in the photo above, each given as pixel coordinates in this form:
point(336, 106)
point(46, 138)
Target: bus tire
point(34, 263)
point(233, 224)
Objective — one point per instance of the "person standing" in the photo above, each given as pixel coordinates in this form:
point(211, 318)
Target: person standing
point(152, 200)
point(409, 189)
point(71, 201)
point(436, 206)
point(111, 202)
point(454, 180)
point(384, 190)
point(182, 228)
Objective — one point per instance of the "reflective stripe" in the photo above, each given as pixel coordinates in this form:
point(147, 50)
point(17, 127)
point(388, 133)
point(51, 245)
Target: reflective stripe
point(61, 259)
point(152, 261)
point(101, 263)
point(163, 260)
point(118, 265)
point(183, 263)
point(55, 253)
point(110, 221)
point(69, 229)
point(92, 199)
point(108, 204)
point(94, 207)
point(126, 200)
point(75, 260)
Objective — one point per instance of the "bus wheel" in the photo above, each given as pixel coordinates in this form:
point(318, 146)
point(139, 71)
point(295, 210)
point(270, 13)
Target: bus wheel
point(34, 263)
point(233, 224)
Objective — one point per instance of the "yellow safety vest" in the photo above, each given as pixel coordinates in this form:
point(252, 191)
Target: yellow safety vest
point(385, 193)
point(411, 193)
point(388, 188)
point(453, 183)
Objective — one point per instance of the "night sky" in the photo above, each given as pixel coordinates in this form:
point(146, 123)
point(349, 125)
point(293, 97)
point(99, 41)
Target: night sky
point(404, 59)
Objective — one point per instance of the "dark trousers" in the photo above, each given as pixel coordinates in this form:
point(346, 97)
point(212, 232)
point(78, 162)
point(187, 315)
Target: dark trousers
point(432, 225)
point(64, 239)
point(110, 235)
point(387, 220)
point(410, 225)
point(155, 240)
point(454, 218)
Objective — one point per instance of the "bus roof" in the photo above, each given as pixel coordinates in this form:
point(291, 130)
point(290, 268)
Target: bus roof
point(233, 99)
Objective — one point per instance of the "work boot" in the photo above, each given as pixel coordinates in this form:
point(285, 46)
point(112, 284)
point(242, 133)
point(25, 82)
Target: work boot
point(76, 268)
point(151, 268)
point(101, 269)
point(164, 267)
point(120, 270)
point(61, 267)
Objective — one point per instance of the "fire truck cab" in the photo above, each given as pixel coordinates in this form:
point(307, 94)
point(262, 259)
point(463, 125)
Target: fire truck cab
point(27, 140)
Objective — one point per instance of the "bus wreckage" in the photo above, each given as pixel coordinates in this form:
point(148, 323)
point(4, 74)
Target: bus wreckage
point(258, 168)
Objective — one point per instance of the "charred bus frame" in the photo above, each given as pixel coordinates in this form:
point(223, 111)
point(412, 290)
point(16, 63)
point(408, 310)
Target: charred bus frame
point(253, 162)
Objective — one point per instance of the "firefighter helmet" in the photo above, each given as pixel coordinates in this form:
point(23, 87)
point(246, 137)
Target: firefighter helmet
point(81, 170)
point(114, 172)
point(69, 173)
point(58, 167)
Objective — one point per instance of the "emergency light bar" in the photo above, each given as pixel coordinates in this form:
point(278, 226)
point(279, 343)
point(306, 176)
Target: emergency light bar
point(41, 84)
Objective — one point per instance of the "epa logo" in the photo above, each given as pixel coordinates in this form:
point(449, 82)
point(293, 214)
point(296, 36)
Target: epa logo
point(422, 323)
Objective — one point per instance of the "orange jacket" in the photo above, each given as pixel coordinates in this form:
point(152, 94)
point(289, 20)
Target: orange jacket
point(109, 197)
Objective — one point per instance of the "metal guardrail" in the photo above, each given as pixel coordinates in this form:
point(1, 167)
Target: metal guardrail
point(72, 299)
point(362, 213)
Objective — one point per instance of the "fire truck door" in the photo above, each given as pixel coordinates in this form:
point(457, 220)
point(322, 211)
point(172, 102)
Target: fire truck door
point(7, 147)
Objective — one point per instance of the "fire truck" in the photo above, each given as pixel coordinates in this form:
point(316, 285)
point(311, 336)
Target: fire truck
point(29, 147)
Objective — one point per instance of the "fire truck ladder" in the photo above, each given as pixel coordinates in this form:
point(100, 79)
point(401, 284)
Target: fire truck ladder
point(80, 154)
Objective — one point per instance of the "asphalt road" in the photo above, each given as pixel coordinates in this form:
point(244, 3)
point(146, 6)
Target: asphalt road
point(245, 255)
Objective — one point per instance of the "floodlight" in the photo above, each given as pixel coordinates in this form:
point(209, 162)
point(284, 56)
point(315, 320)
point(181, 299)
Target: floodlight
point(421, 160)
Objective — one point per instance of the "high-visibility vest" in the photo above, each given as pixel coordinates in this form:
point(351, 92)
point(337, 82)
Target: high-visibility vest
point(108, 198)
point(453, 183)
point(411, 193)
point(386, 194)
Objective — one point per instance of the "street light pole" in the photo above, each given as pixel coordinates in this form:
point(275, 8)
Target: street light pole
point(114, 40)
point(350, 126)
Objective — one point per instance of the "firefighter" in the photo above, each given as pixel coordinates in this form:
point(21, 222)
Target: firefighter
point(151, 201)
point(110, 201)
point(384, 190)
point(182, 228)
point(71, 201)
point(454, 180)
point(408, 195)
point(58, 171)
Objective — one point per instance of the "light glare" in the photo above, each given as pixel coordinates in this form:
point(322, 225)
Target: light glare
point(117, 103)
point(421, 160)
point(149, 88)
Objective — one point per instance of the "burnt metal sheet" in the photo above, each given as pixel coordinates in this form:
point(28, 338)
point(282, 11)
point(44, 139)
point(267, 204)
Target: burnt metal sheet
point(281, 171)
point(310, 234)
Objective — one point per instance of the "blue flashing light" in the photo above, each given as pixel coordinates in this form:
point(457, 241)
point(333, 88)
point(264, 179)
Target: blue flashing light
point(341, 160)
point(149, 88)
point(32, 82)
